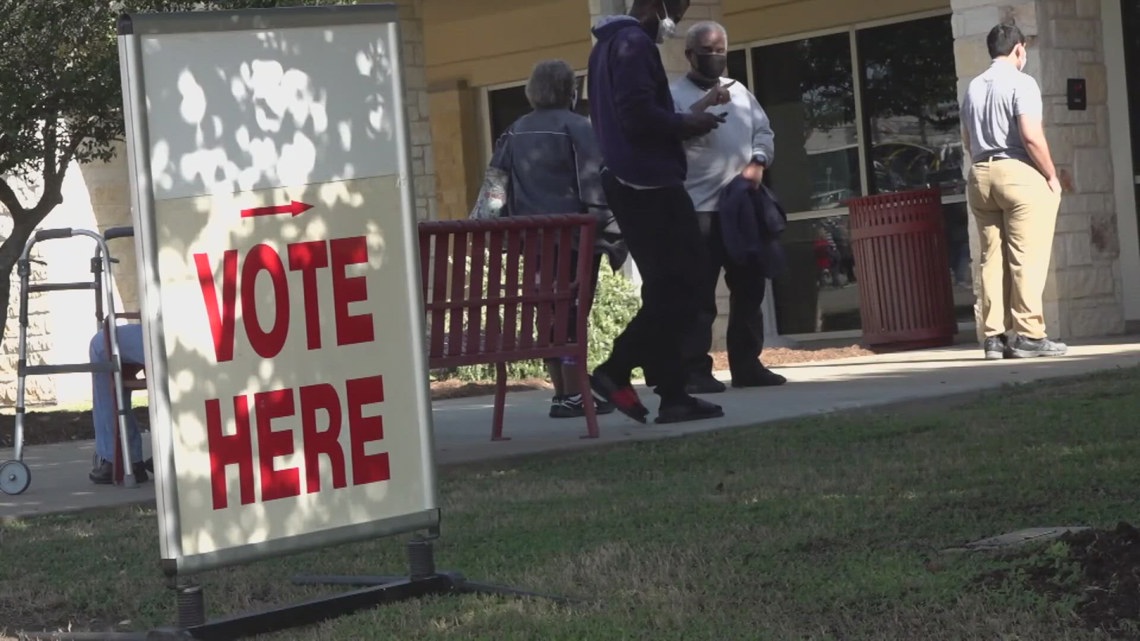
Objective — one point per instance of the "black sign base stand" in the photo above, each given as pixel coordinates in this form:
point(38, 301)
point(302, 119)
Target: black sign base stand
point(422, 580)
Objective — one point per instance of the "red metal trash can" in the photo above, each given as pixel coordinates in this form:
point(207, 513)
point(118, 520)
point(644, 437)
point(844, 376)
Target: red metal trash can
point(905, 295)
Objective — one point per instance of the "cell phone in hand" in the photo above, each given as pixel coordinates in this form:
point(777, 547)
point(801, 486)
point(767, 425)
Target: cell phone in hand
point(722, 116)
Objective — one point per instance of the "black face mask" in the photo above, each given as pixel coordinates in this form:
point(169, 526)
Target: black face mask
point(711, 65)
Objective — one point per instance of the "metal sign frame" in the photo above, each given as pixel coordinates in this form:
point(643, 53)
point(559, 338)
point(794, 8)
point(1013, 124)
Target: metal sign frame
point(132, 31)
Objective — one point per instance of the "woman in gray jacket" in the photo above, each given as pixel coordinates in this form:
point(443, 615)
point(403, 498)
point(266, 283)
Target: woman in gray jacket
point(549, 163)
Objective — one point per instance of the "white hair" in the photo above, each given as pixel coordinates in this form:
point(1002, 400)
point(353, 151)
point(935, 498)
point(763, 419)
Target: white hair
point(551, 85)
point(698, 31)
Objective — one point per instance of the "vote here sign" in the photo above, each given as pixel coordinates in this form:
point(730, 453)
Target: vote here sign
point(279, 280)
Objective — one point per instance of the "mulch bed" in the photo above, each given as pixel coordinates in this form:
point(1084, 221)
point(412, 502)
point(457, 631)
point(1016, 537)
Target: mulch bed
point(58, 426)
point(1101, 570)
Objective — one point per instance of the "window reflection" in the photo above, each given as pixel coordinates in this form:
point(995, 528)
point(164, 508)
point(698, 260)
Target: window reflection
point(806, 86)
point(819, 291)
point(957, 218)
point(910, 101)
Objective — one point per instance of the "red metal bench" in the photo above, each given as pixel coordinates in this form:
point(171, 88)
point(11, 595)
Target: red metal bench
point(490, 300)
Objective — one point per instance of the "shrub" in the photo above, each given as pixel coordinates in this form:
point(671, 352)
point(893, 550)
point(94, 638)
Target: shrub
point(616, 301)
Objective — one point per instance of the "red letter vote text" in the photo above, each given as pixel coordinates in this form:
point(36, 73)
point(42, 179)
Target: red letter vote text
point(243, 286)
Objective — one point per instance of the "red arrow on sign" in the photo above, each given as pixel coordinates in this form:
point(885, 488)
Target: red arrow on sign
point(296, 208)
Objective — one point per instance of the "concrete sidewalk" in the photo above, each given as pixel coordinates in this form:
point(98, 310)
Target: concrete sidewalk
point(463, 426)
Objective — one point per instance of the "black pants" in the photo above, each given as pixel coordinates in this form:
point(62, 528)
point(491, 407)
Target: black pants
point(746, 285)
point(660, 228)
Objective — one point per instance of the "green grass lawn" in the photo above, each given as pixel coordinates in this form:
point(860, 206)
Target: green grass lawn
point(824, 528)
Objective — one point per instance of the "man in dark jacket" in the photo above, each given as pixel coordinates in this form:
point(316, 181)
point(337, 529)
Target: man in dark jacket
point(640, 134)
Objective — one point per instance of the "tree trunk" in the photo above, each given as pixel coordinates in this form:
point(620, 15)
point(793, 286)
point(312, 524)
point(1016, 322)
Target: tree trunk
point(23, 224)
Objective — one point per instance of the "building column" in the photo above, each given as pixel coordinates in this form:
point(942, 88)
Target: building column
point(416, 105)
point(458, 161)
point(1083, 295)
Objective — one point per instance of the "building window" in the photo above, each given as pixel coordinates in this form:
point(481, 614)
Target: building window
point(806, 86)
point(858, 112)
point(507, 104)
point(910, 102)
point(738, 66)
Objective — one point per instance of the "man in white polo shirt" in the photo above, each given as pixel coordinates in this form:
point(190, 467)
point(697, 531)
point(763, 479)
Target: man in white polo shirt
point(743, 145)
point(1014, 194)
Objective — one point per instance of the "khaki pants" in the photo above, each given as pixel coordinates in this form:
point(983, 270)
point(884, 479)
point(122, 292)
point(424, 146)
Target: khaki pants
point(1016, 213)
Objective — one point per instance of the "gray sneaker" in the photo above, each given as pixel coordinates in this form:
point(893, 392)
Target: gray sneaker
point(996, 347)
point(1037, 347)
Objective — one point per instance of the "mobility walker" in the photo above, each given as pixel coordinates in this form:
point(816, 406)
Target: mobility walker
point(14, 474)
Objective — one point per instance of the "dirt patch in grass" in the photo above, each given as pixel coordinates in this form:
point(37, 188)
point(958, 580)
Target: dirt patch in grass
point(1098, 568)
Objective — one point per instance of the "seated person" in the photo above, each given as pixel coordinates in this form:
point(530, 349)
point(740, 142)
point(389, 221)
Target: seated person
point(130, 337)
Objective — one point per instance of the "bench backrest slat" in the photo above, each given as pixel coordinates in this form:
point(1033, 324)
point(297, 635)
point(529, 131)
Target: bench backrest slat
point(503, 290)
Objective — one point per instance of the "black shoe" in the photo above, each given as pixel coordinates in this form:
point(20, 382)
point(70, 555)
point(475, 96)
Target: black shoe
point(104, 471)
point(1036, 347)
point(996, 347)
point(704, 384)
point(762, 377)
point(573, 407)
point(623, 397)
point(140, 470)
point(687, 409)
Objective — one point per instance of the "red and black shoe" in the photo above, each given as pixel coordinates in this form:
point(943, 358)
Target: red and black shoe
point(624, 398)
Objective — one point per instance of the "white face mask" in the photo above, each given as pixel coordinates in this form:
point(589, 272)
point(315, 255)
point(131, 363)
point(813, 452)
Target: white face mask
point(667, 29)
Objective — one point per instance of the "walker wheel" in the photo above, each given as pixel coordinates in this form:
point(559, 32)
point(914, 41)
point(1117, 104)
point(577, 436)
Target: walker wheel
point(14, 477)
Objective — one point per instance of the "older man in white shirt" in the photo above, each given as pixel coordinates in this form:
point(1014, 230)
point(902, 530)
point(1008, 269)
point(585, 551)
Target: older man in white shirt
point(743, 145)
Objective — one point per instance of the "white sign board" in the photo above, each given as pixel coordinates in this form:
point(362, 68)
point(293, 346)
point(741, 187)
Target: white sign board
point(280, 284)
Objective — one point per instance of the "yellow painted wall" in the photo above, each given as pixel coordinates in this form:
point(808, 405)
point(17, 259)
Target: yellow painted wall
point(456, 147)
point(752, 20)
point(487, 42)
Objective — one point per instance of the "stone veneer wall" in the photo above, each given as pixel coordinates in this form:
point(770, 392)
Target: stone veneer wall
point(1084, 293)
point(416, 99)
